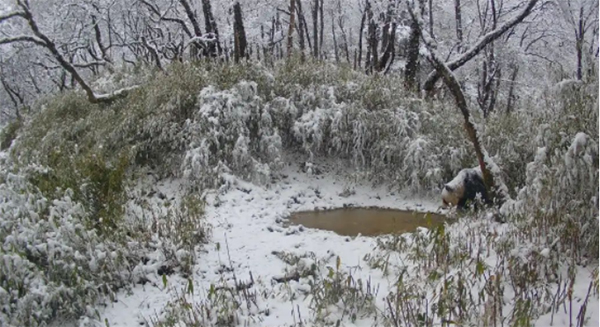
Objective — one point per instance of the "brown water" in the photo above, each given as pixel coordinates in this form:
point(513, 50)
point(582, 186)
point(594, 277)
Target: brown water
point(366, 221)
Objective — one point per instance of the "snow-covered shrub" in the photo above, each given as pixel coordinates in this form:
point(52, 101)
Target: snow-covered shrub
point(560, 195)
point(52, 262)
point(231, 131)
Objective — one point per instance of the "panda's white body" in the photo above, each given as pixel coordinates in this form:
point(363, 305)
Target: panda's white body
point(465, 187)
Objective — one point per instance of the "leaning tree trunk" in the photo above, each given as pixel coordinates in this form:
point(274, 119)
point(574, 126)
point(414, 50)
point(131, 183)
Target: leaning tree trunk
point(497, 192)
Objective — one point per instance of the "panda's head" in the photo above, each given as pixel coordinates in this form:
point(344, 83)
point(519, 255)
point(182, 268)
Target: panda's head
point(454, 191)
point(452, 194)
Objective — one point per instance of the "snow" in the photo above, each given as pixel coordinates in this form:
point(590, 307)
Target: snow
point(248, 219)
point(115, 94)
point(248, 224)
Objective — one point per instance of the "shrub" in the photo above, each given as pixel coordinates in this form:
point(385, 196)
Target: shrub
point(53, 263)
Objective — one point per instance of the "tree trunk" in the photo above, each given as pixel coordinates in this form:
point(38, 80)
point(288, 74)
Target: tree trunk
point(290, 34)
point(42, 40)
point(412, 61)
point(301, 28)
point(430, 7)
point(579, 44)
point(361, 31)
point(385, 32)
point(372, 55)
point(196, 49)
point(315, 21)
point(335, 45)
point(461, 102)
point(458, 24)
point(390, 51)
point(511, 90)
point(322, 28)
point(210, 25)
point(239, 33)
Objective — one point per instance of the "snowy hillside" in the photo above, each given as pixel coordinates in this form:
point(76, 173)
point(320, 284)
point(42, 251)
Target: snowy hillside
point(281, 163)
point(175, 211)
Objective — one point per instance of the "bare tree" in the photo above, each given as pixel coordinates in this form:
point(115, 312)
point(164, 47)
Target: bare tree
point(40, 39)
point(490, 74)
point(581, 15)
point(469, 54)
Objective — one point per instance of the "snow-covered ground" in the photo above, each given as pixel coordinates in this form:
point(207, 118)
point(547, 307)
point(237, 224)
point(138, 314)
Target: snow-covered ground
point(248, 226)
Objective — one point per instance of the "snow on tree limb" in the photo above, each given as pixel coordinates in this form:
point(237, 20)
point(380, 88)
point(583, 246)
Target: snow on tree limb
point(433, 77)
point(107, 97)
point(22, 38)
point(42, 40)
point(10, 15)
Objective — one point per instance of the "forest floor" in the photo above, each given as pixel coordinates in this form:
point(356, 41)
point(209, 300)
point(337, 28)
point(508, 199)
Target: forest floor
point(252, 251)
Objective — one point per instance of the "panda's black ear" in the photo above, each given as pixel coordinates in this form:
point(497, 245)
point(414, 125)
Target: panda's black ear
point(448, 188)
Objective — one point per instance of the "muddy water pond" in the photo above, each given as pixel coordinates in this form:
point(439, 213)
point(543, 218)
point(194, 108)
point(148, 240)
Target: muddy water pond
point(366, 221)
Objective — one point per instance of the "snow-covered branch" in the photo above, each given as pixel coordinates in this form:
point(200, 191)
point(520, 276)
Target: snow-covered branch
point(23, 38)
point(43, 40)
point(480, 45)
point(10, 15)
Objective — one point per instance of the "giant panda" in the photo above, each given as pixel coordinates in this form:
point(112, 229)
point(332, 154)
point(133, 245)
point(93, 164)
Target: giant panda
point(463, 189)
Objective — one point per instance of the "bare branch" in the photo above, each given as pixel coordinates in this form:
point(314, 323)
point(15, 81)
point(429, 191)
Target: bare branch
point(156, 11)
point(42, 40)
point(11, 15)
point(480, 45)
point(23, 38)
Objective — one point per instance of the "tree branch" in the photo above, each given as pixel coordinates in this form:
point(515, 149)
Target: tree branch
point(156, 11)
point(497, 190)
point(23, 38)
point(10, 15)
point(480, 45)
point(42, 40)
